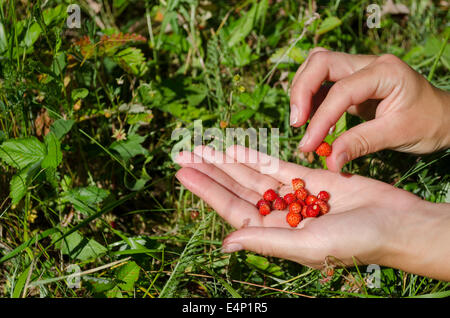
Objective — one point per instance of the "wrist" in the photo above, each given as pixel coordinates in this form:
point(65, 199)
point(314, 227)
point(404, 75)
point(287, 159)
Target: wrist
point(420, 241)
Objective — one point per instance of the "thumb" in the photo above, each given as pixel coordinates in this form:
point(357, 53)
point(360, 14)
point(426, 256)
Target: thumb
point(277, 242)
point(368, 137)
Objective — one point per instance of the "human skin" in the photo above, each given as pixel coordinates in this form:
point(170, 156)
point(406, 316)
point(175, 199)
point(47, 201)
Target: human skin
point(369, 222)
point(403, 111)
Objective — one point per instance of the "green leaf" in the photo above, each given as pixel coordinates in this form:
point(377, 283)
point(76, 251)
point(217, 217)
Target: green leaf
point(79, 93)
point(54, 154)
point(61, 127)
point(78, 247)
point(22, 152)
point(282, 55)
point(242, 116)
point(264, 265)
point(20, 283)
point(128, 274)
point(84, 198)
point(55, 14)
point(19, 184)
point(328, 24)
point(32, 34)
point(243, 27)
point(3, 39)
point(130, 148)
point(132, 60)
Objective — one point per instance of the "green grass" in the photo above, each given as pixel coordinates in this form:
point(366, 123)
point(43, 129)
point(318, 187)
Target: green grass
point(72, 192)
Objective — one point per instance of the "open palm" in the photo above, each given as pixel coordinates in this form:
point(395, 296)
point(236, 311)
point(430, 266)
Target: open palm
point(360, 223)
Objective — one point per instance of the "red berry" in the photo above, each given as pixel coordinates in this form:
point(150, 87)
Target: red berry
point(297, 183)
point(270, 195)
point(261, 202)
point(323, 207)
point(312, 211)
point(295, 207)
point(293, 219)
point(289, 198)
point(310, 199)
point(264, 209)
point(301, 194)
point(279, 204)
point(324, 149)
point(305, 207)
point(324, 196)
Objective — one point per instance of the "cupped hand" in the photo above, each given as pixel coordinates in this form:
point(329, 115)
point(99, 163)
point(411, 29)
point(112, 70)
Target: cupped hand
point(403, 110)
point(361, 225)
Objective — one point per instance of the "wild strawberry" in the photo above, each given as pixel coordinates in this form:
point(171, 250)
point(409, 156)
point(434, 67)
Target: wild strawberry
point(310, 199)
point(324, 149)
point(293, 219)
point(295, 207)
point(323, 195)
point(270, 195)
point(323, 207)
point(289, 198)
point(305, 207)
point(261, 202)
point(264, 209)
point(297, 183)
point(301, 193)
point(279, 204)
point(312, 211)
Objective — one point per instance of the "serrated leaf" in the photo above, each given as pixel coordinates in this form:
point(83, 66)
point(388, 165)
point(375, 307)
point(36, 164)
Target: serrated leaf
point(132, 60)
point(54, 155)
point(22, 152)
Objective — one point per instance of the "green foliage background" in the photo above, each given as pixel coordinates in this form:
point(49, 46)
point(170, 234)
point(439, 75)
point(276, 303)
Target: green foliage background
point(86, 117)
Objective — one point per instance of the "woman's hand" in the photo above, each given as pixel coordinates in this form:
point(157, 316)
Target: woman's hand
point(368, 220)
point(404, 111)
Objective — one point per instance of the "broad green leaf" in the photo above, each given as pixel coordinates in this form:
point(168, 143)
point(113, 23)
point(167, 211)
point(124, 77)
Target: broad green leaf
point(114, 293)
point(128, 274)
point(3, 39)
point(59, 63)
point(328, 24)
point(79, 247)
point(55, 14)
point(79, 93)
point(243, 27)
point(263, 264)
point(85, 199)
point(32, 34)
point(20, 283)
point(242, 116)
point(18, 186)
point(61, 127)
point(130, 147)
point(22, 152)
point(282, 55)
point(54, 155)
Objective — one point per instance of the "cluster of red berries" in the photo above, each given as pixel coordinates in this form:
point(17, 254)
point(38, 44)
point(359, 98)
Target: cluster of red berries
point(301, 204)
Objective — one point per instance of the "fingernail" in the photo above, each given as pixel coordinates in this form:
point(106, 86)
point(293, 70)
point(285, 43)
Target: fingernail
point(342, 159)
point(294, 115)
point(331, 130)
point(304, 140)
point(232, 247)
